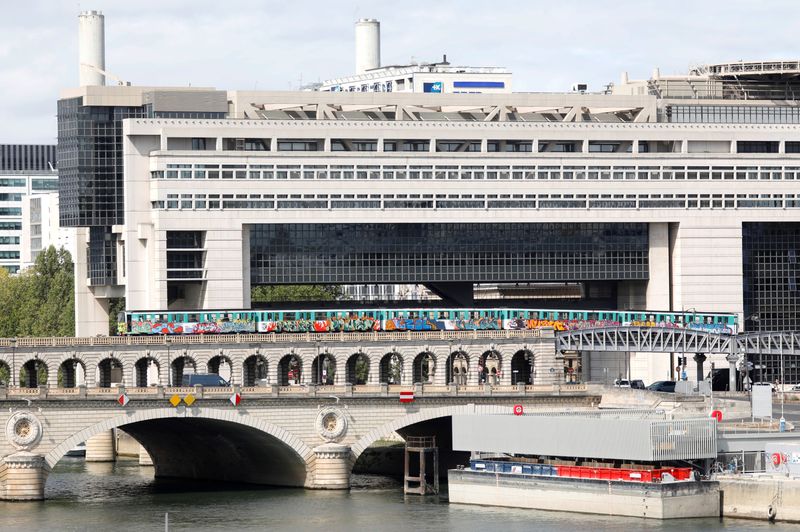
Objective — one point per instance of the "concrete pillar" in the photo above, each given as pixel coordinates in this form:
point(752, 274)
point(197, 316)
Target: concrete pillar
point(505, 367)
point(341, 370)
point(306, 373)
point(548, 369)
point(407, 375)
point(272, 371)
point(699, 358)
point(100, 448)
point(144, 457)
point(24, 475)
point(732, 359)
point(332, 470)
point(374, 368)
point(440, 377)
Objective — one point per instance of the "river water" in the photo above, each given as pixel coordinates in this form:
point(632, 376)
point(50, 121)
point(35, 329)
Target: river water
point(123, 496)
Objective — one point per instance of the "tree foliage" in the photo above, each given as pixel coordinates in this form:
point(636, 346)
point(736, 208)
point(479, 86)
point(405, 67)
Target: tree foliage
point(40, 301)
point(296, 292)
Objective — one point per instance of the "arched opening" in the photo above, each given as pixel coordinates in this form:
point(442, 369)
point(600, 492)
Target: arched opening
point(254, 370)
point(457, 368)
point(222, 366)
point(71, 373)
point(204, 448)
point(290, 370)
point(522, 367)
point(323, 369)
point(5, 374)
point(489, 368)
point(33, 374)
point(179, 367)
point(391, 369)
point(424, 368)
point(147, 371)
point(385, 455)
point(358, 369)
point(109, 373)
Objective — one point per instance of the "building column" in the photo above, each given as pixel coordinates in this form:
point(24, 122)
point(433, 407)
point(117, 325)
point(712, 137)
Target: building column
point(341, 369)
point(332, 469)
point(699, 358)
point(24, 475)
point(440, 376)
point(100, 448)
point(91, 313)
point(505, 368)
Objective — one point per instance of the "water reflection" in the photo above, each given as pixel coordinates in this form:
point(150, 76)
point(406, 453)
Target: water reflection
point(122, 496)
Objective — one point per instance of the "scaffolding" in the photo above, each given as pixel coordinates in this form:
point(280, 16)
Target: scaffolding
point(416, 478)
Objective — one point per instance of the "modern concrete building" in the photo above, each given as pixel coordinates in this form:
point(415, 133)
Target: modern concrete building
point(40, 228)
point(664, 194)
point(25, 170)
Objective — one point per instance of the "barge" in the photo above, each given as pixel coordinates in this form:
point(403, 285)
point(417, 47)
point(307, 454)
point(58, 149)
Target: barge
point(625, 463)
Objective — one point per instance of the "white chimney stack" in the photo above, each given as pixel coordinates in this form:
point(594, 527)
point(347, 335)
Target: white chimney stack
point(91, 48)
point(368, 44)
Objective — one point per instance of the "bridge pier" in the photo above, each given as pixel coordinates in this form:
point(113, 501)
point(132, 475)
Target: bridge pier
point(332, 470)
point(23, 476)
point(100, 448)
point(732, 359)
point(144, 456)
point(700, 359)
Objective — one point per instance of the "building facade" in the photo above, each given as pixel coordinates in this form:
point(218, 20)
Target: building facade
point(41, 229)
point(25, 170)
point(661, 194)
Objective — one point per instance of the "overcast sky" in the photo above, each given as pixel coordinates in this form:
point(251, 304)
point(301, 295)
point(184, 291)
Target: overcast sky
point(266, 44)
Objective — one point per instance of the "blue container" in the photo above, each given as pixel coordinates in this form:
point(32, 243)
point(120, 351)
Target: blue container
point(527, 470)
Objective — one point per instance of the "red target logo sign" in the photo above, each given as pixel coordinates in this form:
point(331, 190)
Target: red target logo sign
point(777, 459)
point(518, 411)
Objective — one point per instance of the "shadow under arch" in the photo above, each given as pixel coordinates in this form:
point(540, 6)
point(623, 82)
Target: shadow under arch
point(208, 447)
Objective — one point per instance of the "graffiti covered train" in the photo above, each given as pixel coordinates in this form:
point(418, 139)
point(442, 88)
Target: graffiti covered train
point(365, 320)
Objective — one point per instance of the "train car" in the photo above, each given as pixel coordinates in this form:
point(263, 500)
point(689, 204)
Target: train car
point(409, 319)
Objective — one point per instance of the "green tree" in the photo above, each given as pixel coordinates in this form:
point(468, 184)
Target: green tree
point(296, 292)
point(115, 306)
point(40, 301)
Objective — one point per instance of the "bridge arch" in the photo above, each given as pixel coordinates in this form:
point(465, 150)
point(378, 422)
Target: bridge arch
point(357, 368)
point(323, 369)
point(391, 368)
point(209, 444)
point(400, 423)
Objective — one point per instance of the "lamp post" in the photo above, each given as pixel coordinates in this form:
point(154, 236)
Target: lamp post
point(755, 318)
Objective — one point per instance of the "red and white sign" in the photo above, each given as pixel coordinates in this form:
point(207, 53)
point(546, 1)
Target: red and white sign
point(236, 399)
point(717, 414)
point(518, 411)
point(407, 396)
point(123, 399)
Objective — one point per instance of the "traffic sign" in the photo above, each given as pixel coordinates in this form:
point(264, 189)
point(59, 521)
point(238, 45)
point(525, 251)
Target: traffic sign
point(189, 399)
point(518, 410)
point(236, 399)
point(175, 400)
point(123, 399)
point(407, 396)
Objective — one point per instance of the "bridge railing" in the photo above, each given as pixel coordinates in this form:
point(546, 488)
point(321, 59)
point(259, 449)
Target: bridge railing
point(374, 336)
point(293, 391)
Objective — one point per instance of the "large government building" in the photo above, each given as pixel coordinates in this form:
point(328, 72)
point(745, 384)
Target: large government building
point(671, 193)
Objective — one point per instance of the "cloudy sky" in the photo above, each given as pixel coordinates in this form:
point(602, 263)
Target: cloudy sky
point(266, 44)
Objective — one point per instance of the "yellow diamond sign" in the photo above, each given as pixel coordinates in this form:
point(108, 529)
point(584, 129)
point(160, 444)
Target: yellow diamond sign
point(189, 399)
point(175, 400)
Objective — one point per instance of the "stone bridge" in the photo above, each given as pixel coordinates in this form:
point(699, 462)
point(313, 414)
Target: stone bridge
point(310, 404)
point(306, 436)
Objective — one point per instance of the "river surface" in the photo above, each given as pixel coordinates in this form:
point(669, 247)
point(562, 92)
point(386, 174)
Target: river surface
point(123, 496)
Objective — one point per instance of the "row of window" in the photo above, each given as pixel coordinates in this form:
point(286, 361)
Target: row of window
point(477, 201)
point(475, 172)
point(36, 183)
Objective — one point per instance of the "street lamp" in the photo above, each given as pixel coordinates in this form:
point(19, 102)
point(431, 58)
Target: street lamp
point(755, 318)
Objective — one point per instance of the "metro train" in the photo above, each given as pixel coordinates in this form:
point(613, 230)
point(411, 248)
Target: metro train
point(409, 319)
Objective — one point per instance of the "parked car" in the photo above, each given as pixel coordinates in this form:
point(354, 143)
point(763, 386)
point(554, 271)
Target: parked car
point(796, 388)
point(662, 386)
point(206, 379)
point(637, 384)
point(622, 383)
